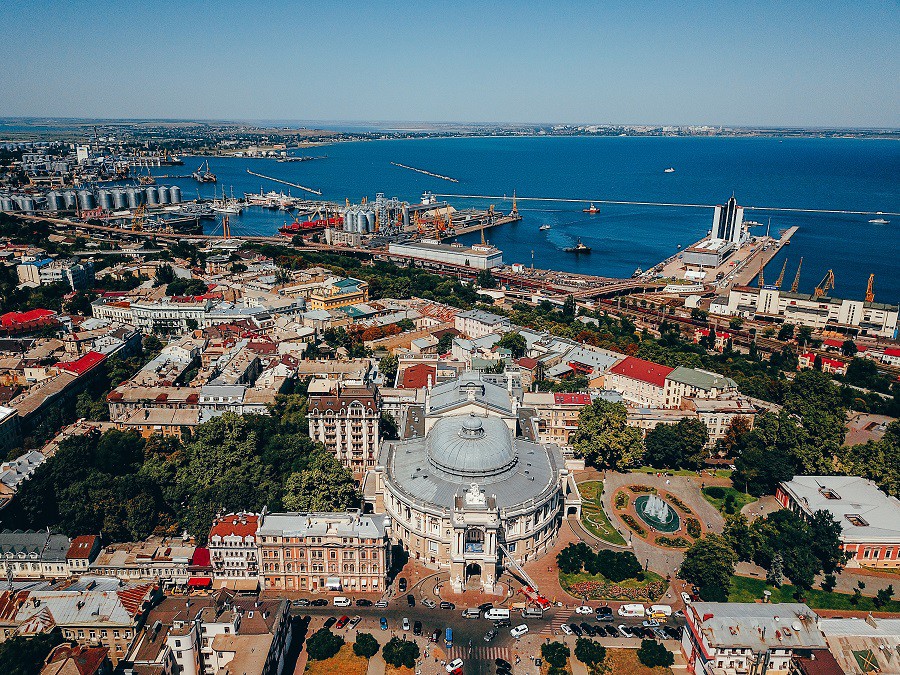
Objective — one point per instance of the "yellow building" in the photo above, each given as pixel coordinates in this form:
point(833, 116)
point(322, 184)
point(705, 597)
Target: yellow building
point(339, 294)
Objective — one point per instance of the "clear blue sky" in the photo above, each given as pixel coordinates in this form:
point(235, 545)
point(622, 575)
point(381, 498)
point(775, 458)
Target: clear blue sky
point(785, 62)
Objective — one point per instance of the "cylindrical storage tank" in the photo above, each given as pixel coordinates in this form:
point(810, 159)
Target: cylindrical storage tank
point(86, 200)
point(135, 197)
point(120, 199)
point(348, 220)
point(370, 221)
point(152, 194)
point(71, 199)
point(26, 203)
point(163, 193)
point(105, 200)
point(175, 194)
point(7, 204)
point(55, 201)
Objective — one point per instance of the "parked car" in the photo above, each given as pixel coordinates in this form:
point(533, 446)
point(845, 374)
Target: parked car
point(330, 621)
point(502, 623)
point(624, 632)
point(673, 632)
point(343, 621)
point(383, 622)
point(611, 630)
point(319, 602)
point(490, 635)
point(650, 623)
point(429, 603)
point(401, 584)
point(576, 629)
point(584, 609)
point(354, 622)
point(302, 602)
point(565, 629)
point(436, 635)
point(503, 663)
point(417, 627)
point(341, 601)
point(519, 631)
point(685, 597)
point(405, 623)
point(362, 602)
point(588, 629)
point(411, 600)
point(447, 605)
point(485, 606)
point(381, 604)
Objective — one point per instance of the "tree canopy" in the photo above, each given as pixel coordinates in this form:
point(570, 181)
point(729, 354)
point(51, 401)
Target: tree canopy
point(677, 446)
point(604, 438)
point(400, 653)
point(709, 563)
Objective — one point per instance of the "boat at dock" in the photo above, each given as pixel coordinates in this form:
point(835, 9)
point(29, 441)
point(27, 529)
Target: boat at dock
point(593, 209)
point(310, 225)
point(580, 247)
point(203, 174)
point(638, 272)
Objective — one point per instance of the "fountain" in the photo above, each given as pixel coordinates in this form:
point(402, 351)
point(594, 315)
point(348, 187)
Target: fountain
point(656, 512)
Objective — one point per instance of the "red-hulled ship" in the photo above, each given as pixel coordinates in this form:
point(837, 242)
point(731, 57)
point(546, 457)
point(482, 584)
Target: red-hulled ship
point(310, 225)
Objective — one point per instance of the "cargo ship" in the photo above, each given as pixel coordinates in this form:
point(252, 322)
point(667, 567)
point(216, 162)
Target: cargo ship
point(296, 227)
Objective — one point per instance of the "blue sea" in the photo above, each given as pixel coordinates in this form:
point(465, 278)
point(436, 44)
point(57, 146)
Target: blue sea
point(832, 174)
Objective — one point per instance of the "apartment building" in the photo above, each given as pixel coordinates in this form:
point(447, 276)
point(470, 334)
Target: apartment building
point(31, 554)
point(334, 551)
point(829, 365)
point(477, 323)
point(345, 417)
point(557, 415)
point(695, 383)
point(233, 549)
point(338, 293)
point(641, 383)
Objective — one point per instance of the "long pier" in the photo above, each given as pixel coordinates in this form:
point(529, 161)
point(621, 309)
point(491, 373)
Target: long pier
point(566, 200)
point(423, 171)
point(284, 182)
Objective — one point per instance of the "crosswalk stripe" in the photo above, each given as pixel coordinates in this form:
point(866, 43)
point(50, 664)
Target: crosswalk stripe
point(478, 653)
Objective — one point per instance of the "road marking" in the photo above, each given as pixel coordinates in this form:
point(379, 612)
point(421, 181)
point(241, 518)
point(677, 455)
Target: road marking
point(555, 624)
point(478, 653)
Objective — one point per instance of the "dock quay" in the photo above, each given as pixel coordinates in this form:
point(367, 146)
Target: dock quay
point(284, 182)
point(485, 223)
point(759, 258)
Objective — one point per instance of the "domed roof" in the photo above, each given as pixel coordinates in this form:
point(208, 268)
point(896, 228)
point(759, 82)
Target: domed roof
point(471, 447)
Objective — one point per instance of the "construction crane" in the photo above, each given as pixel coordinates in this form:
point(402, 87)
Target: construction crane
point(139, 218)
point(490, 220)
point(797, 277)
point(781, 276)
point(761, 281)
point(825, 285)
point(870, 289)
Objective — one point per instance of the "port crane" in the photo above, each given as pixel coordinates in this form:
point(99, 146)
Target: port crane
point(761, 281)
point(781, 276)
point(825, 285)
point(139, 218)
point(797, 277)
point(870, 289)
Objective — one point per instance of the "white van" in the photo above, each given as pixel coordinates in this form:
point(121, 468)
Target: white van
point(471, 613)
point(533, 613)
point(659, 611)
point(632, 610)
point(496, 614)
point(341, 601)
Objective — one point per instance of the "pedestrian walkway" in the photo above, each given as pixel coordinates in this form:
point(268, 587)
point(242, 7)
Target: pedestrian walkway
point(478, 653)
point(553, 627)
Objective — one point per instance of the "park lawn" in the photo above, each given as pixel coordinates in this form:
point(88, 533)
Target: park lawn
point(741, 499)
point(345, 662)
point(545, 667)
point(625, 662)
point(593, 517)
point(747, 589)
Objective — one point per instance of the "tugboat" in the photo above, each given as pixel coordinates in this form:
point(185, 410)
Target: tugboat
point(544, 227)
point(202, 175)
point(578, 248)
point(591, 210)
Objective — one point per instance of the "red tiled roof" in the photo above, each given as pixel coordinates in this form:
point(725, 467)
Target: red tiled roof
point(133, 598)
point(201, 557)
point(232, 526)
point(82, 365)
point(14, 319)
point(834, 363)
point(831, 342)
point(81, 546)
point(645, 371)
point(892, 352)
point(527, 362)
point(87, 660)
point(572, 399)
point(416, 377)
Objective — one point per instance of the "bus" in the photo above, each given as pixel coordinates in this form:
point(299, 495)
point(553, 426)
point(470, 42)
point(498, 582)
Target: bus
point(448, 637)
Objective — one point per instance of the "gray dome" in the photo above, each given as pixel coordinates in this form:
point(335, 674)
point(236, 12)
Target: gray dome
point(470, 447)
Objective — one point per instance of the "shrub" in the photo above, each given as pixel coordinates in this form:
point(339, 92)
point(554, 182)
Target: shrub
point(634, 524)
point(399, 653)
point(693, 527)
point(323, 645)
point(555, 654)
point(621, 500)
point(652, 654)
point(829, 581)
point(641, 488)
point(366, 645)
point(677, 502)
point(716, 492)
point(673, 542)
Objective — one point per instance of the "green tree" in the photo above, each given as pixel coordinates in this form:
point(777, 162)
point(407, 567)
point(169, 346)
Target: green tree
point(590, 653)
point(555, 654)
point(786, 332)
point(804, 335)
point(569, 307)
point(514, 342)
point(164, 275)
point(736, 323)
point(737, 533)
point(388, 367)
point(366, 645)
point(829, 581)
point(445, 343)
point(21, 655)
point(604, 438)
point(848, 348)
point(388, 427)
point(652, 654)
point(875, 460)
point(400, 653)
point(325, 486)
point(709, 563)
point(486, 280)
point(770, 454)
point(182, 287)
point(883, 596)
point(323, 645)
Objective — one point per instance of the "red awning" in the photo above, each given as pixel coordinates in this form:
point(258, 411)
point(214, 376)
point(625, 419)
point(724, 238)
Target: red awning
point(200, 582)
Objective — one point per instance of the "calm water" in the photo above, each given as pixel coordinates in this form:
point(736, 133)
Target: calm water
point(858, 175)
